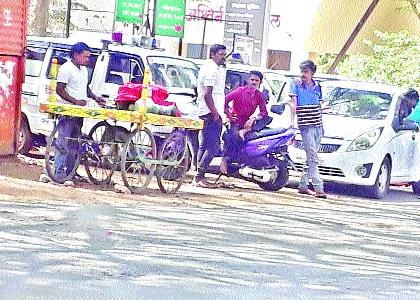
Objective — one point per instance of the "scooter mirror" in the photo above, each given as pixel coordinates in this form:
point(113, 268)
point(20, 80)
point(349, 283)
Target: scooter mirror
point(277, 108)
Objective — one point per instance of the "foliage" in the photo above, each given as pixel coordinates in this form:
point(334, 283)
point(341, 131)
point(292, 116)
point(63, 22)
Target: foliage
point(393, 58)
point(57, 15)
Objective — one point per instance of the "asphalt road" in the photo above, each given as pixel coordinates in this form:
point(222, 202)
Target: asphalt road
point(201, 244)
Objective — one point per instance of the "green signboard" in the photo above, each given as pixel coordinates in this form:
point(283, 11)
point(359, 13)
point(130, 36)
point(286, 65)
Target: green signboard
point(130, 11)
point(170, 17)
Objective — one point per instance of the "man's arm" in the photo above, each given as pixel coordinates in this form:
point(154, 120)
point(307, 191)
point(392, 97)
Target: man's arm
point(230, 97)
point(399, 124)
point(61, 91)
point(293, 94)
point(263, 107)
point(90, 94)
point(408, 124)
point(293, 99)
point(208, 97)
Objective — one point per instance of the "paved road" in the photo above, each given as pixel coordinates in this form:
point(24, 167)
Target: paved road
point(278, 246)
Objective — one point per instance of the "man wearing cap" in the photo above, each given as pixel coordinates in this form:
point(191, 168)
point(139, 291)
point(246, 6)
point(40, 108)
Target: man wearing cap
point(306, 95)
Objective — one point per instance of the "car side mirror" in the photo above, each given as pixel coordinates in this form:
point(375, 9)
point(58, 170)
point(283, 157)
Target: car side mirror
point(266, 95)
point(137, 79)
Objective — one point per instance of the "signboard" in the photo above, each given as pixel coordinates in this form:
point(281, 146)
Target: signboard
point(244, 45)
point(170, 18)
point(130, 11)
point(11, 70)
point(241, 13)
point(199, 10)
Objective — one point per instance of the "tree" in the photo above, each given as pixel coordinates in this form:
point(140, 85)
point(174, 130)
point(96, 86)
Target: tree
point(394, 59)
point(48, 17)
point(41, 15)
point(413, 5)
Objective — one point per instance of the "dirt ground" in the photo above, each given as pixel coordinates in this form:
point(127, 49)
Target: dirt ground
point(19, 180)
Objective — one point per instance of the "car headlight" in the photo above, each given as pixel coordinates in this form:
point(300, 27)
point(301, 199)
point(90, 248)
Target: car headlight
point(366, 140)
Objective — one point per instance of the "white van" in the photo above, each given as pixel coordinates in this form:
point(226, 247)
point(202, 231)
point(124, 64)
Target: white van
point(109, 67)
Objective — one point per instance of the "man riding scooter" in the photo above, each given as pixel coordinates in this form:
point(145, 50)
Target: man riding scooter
point(245, 101)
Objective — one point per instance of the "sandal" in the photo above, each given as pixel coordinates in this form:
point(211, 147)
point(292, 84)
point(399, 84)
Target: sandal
point(203, 184)
point(225, 185)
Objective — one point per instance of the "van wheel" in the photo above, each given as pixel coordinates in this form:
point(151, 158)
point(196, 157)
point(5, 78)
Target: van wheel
point(416, 188)
point(25, 139)
point(381, 186)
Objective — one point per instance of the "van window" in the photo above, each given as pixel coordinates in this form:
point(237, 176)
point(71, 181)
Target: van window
point(123, 68)
point(234, 80)
point(63, 55)
point(34, 60)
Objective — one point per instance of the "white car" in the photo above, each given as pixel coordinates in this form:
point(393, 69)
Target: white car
point(360, 145)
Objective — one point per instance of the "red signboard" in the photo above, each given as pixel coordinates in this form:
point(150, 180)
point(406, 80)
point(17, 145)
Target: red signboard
point(11, 69)
point(13, 15)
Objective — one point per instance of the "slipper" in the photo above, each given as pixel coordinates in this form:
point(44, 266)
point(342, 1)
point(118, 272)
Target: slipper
point(306, 192)
point(203, 185)
point(225, 185)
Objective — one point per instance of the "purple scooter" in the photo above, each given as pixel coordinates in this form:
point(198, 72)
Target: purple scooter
point(263, 157)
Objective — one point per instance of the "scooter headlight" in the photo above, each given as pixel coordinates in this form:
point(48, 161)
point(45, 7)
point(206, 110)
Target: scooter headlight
point(366, 140)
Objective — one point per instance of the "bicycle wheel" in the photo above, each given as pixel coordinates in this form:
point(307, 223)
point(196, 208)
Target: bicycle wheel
point(102, 155)
point(137, 162)
point(68, 170)
point(175, 159)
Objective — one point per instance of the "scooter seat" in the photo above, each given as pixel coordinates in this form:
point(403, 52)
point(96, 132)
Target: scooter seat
point(263, 133)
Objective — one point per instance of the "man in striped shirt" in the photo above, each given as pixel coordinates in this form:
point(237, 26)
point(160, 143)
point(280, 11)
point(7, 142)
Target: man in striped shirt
point(306, 96)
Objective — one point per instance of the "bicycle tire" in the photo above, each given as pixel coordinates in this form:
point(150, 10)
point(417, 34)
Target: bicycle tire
point(174, 149)
point(50, 151)
point(101, 164)
point(141, 144)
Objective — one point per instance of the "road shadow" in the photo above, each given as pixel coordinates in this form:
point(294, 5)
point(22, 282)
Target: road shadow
point(395, 194)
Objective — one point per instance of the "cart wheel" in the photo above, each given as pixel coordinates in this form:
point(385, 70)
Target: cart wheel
point(52, 150)
point(136, 170)
point(175, 157)
point(103, 153)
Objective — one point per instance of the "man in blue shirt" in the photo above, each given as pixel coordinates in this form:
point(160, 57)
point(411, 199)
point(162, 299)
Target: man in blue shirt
point(306, 95)
point(413, 97)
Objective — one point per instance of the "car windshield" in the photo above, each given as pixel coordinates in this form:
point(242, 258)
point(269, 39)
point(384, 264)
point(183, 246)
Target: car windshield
point(355, 103)
point(173, 72)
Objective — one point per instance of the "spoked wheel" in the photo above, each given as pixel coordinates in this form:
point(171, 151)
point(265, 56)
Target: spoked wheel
point(175, 159)
point(138, 160)
point(103, 152)
point(55, 158)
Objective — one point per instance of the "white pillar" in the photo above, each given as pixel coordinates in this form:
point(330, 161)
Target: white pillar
point(264, 47)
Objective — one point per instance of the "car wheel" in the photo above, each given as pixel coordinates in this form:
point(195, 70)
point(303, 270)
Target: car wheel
point(25, 139)
point(381, 186)
point(416, 188)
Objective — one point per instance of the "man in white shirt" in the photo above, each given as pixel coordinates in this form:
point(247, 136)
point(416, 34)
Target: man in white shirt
point(210, 108)
point(72, 87)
